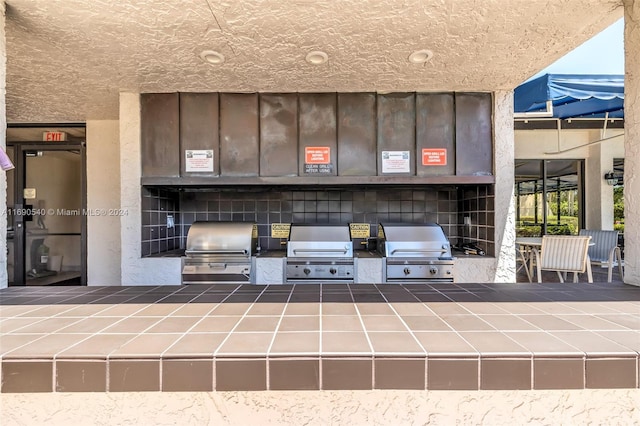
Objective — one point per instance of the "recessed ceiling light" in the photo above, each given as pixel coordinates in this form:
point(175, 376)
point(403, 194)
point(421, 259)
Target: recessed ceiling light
point(212, 57)
point(420, 56)
point(317, 57)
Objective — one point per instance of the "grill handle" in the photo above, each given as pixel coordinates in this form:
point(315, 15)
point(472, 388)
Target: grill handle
point(206, 252)
point(319, 251)
point(217, 265)
point(394, 251)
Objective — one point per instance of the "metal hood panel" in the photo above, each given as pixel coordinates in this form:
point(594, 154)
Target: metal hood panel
point(222, 238)
point(413, 240)
point(319, 241)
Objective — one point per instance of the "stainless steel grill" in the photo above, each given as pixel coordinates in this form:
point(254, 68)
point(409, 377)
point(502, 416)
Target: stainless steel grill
point(319, 253)
point(415, 253)
point(220, 252)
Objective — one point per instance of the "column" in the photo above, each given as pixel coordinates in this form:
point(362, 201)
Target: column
point(134, 269)
point(632, 141)
point(103, 195)
point(3, 144)
point(505, 216)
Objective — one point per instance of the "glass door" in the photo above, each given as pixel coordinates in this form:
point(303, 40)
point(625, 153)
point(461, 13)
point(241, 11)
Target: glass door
point(11, 200)
point(48, 215)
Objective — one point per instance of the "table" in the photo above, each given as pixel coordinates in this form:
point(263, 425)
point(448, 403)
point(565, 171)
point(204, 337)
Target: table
point(529, 241)
point(525, 246)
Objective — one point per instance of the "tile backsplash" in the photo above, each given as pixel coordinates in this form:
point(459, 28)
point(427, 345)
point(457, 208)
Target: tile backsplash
point(476, 217)
point(445, 205)
point(157, 237)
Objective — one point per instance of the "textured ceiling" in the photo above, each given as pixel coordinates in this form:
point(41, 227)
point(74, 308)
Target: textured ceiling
point(67, 60)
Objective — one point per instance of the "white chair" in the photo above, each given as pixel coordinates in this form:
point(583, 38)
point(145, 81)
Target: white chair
point(604, 251)
point(562, 254)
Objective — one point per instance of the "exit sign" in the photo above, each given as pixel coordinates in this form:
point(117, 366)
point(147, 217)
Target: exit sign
point(54, 136)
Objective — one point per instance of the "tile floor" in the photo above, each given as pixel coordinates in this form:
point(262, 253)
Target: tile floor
point(310, 337)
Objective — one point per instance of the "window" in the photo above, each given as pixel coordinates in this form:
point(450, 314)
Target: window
point(549, 197)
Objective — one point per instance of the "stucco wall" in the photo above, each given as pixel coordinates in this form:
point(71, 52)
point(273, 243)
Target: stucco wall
point(3, 144)
point(632, 140)
point(600, 407)
point(136, 270)
point(505, 231)
point(545, 143)
point(103, 195)
point(482, 270)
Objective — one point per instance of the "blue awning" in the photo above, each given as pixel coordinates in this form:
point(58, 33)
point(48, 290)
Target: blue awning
point(573, 95)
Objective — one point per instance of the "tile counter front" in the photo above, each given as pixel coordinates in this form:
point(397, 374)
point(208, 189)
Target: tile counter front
point(270, 267)
point(306, 337)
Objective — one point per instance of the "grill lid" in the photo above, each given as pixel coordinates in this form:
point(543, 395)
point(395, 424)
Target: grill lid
point(413, 240)
point(222, 239)
point(317, 240)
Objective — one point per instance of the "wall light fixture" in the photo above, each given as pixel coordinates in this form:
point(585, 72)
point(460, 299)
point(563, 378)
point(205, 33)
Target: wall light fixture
point(611, 178)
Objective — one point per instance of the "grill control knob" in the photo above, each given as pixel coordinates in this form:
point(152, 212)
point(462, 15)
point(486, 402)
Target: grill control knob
point(332, 271)
point(306, 271)
point(433, 270)
point(407, 271)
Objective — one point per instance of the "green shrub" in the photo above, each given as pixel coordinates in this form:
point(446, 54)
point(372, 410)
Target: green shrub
point(564, 229)
point(528, 231)
point(526, 227)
